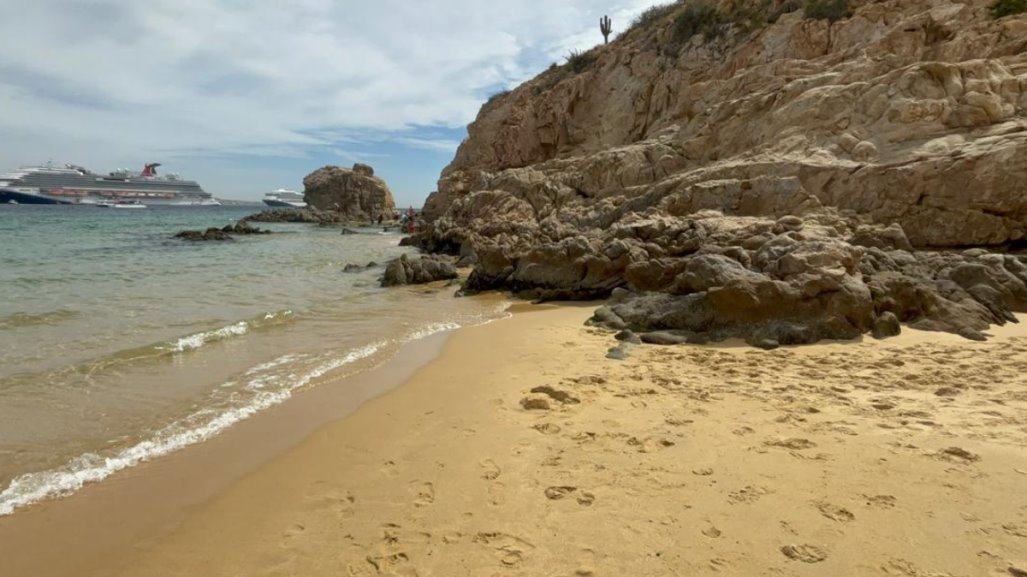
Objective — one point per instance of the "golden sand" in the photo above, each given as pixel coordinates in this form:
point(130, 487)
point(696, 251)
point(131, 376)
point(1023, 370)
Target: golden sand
point(904, 457)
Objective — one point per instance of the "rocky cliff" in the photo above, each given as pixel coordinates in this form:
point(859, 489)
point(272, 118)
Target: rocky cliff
point(354, 194)
point(771, 170)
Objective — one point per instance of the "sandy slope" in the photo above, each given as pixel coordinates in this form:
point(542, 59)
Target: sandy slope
point(906, 457)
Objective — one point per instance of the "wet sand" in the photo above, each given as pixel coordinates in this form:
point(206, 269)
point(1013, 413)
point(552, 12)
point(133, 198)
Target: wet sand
point(904, 457)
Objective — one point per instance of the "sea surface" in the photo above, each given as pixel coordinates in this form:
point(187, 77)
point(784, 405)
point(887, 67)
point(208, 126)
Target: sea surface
point(119, 344)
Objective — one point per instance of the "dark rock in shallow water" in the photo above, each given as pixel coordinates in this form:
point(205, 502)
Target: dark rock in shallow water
point(200, 235)
point(359, 268)
point(405, 271)
point(307, 215)
point(243, 227)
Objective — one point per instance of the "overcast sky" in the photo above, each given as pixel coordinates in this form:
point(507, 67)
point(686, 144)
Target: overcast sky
point(246, 96)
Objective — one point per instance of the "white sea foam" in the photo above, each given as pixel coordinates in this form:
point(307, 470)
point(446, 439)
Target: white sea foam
point(429, 330)
point(199, 339)
point(277, 316)
point(272, 364)
point(198, 427)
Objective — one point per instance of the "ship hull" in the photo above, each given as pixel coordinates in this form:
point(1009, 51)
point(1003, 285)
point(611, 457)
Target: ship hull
point(7, 196)
point(284, 204)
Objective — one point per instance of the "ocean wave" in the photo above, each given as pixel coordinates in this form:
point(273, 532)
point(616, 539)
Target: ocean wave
point(429, 330)
point(199, 339)
point(240, 328)
point(197, 427)
point(18, 320)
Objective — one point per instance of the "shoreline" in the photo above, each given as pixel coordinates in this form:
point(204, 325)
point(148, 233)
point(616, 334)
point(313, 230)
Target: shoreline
point(700, 459)
point(68, 534)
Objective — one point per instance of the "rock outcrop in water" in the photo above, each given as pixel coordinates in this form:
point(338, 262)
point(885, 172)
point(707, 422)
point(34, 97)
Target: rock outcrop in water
point(426, 269)
point(224, 233)
point(305, 215)
point(356, 194)
point(786, 181)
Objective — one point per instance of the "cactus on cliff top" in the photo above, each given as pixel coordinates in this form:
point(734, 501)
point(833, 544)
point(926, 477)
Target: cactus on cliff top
point(605, 26)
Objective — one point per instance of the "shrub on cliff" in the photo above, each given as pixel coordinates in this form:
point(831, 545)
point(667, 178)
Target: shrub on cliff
point(828, 9)
point(651, 15)
point(579, 62)
point(1001, 8)
point(698, 18)
point(497, 96)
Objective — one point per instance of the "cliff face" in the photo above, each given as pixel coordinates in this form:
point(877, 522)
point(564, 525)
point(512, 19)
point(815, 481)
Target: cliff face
point(357, 194)
point(908, 116)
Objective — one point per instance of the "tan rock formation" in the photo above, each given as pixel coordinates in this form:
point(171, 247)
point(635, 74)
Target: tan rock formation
point(770, 181)
point(356, 195)
point(910, 111)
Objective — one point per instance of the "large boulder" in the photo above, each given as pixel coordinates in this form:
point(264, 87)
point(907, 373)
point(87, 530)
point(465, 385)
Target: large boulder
point(405, 271)
point(355, 194)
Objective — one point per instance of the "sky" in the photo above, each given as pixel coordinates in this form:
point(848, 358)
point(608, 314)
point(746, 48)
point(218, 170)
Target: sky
point(246, 96)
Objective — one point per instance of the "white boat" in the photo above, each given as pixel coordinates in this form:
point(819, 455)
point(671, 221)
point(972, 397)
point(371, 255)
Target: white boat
point(121, 204)
point(285, 198)
point(12, 201)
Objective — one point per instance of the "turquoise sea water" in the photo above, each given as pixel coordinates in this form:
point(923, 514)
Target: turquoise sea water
point(119, 343)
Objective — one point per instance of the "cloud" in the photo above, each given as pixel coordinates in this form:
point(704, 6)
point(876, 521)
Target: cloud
point(113, 82)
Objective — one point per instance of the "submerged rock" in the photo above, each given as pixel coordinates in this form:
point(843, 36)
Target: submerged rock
point(201, 235)
point(307, 215)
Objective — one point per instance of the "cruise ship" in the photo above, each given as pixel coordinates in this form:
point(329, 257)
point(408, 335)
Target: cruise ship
point(285, 197)
point(70, 184)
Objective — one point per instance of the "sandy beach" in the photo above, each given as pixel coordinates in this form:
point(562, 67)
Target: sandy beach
point(523, 450)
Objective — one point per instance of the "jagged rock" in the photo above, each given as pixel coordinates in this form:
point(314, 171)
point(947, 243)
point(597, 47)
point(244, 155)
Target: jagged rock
point(404, 271)
point(356, 195)
point(244, 227)
point(308, 215)
point(354, 268)
point(200, 235)
point(773, 185)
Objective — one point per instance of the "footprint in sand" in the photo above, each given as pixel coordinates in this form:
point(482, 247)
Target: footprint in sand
point(794, 444)
point(490, 469)
point(1015, 530)
point(425, 494)
point(749, 494)
point(584, 498)
point(712, 532)
point(556, 394)
point(547, 428)
point(557, 493)
point(509, 549)
point(650, 444)
point(881, 501)
point(391, 563)
point(834, 512)
point(497, 493)
point(957, 455)
point(804, 553)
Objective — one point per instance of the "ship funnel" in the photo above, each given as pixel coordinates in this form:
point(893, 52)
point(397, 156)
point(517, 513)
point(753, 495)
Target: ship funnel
point(150, 169)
